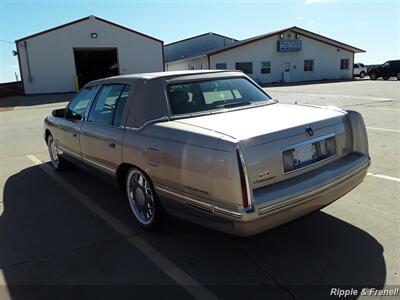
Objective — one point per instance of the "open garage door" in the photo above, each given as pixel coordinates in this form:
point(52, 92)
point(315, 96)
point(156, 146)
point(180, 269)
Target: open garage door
point(95, 63)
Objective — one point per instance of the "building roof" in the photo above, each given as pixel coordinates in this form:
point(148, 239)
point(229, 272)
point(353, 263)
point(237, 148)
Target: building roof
point(200, 35)
point(294, 29)
point(84, 19)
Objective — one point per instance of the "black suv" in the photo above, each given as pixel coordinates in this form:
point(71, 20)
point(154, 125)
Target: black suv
point(390, 68)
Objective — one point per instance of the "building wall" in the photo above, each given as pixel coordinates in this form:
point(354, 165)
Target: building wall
point(52, 61)
point(326, 60)
point(197, 63)
point(193, 46)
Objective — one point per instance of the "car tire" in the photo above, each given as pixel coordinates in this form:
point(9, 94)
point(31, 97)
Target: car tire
point(372, 76)
point(362, 74)
point(57, 162)
point(398, 76)
point(143, 200)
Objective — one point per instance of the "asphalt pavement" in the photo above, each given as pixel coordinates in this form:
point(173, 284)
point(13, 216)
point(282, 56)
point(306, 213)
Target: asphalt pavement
point(71, 235)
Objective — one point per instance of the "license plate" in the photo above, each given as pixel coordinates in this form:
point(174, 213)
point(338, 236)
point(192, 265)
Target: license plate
point(304, 154)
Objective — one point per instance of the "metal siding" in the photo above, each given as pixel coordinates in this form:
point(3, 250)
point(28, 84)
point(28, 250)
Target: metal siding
point(198, 63)
point(326, 60)
point(52, 59)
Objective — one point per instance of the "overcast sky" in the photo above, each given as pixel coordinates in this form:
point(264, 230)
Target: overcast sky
point(372, 25)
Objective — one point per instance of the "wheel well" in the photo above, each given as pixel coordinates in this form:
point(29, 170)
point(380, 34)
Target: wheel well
point(122, 171)
point(47, 133)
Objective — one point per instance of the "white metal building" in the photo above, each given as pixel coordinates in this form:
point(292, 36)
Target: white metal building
point(62, 58)
point(176, 53)
point(288, 55)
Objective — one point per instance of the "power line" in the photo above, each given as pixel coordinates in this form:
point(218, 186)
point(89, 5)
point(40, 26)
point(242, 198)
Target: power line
point(8, 42)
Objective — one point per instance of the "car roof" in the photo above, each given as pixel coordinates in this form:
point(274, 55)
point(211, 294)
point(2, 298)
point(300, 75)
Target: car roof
point(154, 75)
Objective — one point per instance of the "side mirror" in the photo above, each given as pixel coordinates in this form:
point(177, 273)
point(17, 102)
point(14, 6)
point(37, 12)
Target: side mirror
point(59, 113)
point(73, 116)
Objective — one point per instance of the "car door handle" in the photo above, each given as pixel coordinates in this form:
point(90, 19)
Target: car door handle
point(75, 135)
point(112, 145)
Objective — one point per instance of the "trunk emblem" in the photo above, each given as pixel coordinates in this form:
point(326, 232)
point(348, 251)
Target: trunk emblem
point(264, 174)
point(309, 131)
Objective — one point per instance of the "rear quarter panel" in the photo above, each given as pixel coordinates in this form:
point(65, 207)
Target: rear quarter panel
point(176, 156)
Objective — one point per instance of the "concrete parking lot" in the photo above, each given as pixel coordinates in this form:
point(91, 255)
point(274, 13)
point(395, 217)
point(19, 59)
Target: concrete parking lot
point(71, 235)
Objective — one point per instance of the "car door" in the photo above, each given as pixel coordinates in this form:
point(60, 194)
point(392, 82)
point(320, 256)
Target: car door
point(356, 70)
point(102, 132)
point(68, 128)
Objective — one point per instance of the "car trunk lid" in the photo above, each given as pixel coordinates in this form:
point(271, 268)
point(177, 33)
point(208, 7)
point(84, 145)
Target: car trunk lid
point(265, 132)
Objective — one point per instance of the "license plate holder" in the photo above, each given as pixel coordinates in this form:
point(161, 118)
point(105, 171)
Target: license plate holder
point(304, 154)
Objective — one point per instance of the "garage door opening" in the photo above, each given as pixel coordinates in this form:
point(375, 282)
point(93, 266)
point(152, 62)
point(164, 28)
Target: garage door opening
point(95, 63)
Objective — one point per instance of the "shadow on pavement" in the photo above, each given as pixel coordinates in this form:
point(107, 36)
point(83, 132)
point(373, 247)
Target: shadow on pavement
point(51, 243)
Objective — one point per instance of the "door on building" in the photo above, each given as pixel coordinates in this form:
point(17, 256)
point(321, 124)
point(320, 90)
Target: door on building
point(95, 63)
point(287, 71)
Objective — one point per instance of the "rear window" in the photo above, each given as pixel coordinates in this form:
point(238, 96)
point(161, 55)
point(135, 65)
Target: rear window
point(213, 94)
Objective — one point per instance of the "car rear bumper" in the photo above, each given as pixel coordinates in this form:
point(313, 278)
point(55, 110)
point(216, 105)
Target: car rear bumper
point(273, 215)
point(278, 203)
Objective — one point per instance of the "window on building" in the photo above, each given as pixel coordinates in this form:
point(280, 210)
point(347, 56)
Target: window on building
point(344, 64)
point(265, 67)
point(308, 65)
point(105, 104)
point(220, 66)
point(245, 67)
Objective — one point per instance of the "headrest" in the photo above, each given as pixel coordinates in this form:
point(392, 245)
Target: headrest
point(179, 97)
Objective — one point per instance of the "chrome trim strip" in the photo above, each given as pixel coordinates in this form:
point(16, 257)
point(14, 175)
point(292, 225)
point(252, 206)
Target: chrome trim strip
point(313, 140)
point(317, 139)
point(246, 178)
point(308, 196)
point(112, 170)
point(191, 201)
point(68, 151)
point(227, 212)
point(148, 123)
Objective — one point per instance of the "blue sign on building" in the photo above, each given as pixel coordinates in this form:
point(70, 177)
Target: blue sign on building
point(289, 45)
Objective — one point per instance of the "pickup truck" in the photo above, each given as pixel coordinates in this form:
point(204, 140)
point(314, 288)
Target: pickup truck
point(211, 147)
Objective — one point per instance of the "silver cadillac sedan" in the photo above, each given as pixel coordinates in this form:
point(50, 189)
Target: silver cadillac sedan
point(211, 147)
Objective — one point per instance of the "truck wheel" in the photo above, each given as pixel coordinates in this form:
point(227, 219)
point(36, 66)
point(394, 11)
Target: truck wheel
point(362, 74)
point(143, 200)
point(57, 162)
point(385, 78)
point(372, 76)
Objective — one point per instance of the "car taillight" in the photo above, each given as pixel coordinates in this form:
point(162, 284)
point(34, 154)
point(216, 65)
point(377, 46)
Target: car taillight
point(359, 132)
point(243, 181)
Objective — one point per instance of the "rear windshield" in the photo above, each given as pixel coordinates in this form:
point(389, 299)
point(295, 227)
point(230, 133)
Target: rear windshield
point(216, 94)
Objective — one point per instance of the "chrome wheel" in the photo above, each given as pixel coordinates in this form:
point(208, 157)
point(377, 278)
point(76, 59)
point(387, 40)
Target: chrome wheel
point(372, 76)
point(140, 196)
point(55, 160)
